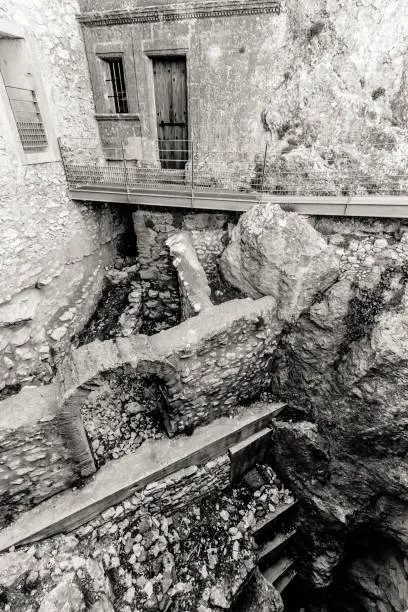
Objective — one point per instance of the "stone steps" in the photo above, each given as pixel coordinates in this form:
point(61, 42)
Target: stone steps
point(266, 529)
point(271, 549)
point(119, 479)
point(277, 569)
point(285, 580)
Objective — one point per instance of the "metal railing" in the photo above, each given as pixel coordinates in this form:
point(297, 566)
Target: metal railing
point(373, 168)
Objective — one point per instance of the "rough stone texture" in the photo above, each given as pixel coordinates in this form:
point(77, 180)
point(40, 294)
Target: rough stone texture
point(261, 596)
point(332, 95)
point(161, 301)
point(344, 364)
point(161, 298)
point(53, 251)
point(166, 496)
point(272, 252)
point(193, 284)
point(206, 365)
point(35, 463)
point(65, 597)
point(346, 132)
point(375, 572)
point(137, 559)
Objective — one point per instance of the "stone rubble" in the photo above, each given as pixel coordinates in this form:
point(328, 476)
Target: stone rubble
point(120, 415)
point(192, 559)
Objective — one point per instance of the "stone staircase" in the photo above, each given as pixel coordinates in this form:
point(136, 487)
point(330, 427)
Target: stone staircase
point(274, 534)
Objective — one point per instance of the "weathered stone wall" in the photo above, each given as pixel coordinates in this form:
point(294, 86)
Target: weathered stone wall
point(328, 94)
point(53, 251)
point(161, 297)
point(34, 461)
point(206, 365)
point(164, 496)
point(161, 301)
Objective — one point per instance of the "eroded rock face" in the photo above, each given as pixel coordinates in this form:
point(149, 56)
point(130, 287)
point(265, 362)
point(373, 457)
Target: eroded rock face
point(260, 596)
point(277, 253)
point(345, 364)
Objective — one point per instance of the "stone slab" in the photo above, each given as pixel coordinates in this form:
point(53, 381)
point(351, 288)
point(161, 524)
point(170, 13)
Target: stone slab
point(31, 405)
point(118, 480)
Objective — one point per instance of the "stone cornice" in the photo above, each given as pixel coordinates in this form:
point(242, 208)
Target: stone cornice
point(179, 11)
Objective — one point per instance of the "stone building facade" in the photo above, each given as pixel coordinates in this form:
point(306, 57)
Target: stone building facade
point(52, 250)
point(202, 52)
point(328, 97)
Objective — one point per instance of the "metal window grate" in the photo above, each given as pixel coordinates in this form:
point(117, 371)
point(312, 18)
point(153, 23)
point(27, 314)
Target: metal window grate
point(117, 79)
point(28, 118)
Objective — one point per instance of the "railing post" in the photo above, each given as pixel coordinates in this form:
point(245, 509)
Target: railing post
point(192, 171)
point(263, 171)
point(63, 161)
point(126, 171)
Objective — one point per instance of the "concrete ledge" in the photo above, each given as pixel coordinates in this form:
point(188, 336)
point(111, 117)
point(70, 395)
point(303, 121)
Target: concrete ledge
point(118, 480)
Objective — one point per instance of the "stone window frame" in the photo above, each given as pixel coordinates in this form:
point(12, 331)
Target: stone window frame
point(11, 30)
point(102, 52)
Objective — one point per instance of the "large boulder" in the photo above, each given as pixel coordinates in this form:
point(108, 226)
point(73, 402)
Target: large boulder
point(278, 253)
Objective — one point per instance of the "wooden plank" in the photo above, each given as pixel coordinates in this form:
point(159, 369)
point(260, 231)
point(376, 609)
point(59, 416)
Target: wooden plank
point(119, 479)
point(272, 520)
point(285, 580)
point(273, 547)
point(246, 454)
point(273, 573)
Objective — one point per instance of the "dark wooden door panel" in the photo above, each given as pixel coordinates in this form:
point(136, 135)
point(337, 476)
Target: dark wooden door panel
point(170, 83)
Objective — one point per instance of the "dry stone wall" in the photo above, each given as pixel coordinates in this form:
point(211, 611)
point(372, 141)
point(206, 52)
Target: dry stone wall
point(161, 297)
point(206, 366)
point(35, 463)
point(52, 251)
point(164, 496)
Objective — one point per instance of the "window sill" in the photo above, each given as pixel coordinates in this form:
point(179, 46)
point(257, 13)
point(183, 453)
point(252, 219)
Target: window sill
point(118, 117)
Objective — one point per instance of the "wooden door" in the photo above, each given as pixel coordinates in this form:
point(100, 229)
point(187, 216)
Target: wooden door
point(170, 84)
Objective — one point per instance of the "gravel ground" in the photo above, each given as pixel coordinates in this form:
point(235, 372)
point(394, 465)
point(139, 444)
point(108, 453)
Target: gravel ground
point(192, 561)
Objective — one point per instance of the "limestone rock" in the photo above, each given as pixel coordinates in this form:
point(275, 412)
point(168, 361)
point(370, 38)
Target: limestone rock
point(65, 597)
point(21, 308)
point(102, 605)
point(14, 565)
point(218, 598)
point(276, 253)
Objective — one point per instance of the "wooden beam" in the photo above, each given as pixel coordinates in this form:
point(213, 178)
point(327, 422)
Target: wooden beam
point(117, 480)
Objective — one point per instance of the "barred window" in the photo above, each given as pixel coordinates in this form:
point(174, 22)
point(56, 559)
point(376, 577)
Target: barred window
point(28, 118)
point(115, 79)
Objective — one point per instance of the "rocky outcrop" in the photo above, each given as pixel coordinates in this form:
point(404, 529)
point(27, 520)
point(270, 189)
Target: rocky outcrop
point(272, 252)
point(260, 596)
point(346, 132)
point(344, 364)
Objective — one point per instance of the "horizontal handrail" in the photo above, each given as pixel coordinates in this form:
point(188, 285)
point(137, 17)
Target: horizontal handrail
point(168, 164)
